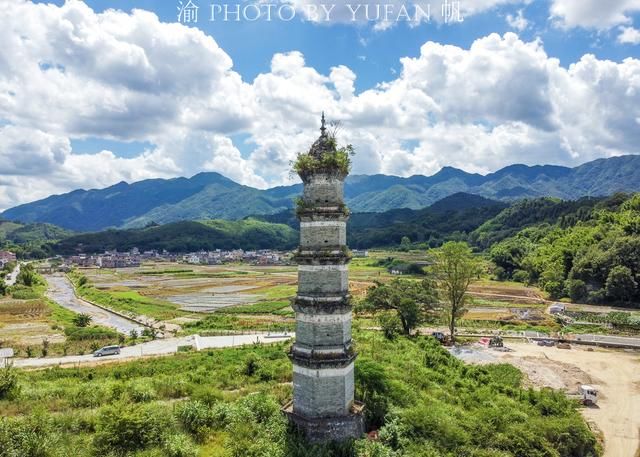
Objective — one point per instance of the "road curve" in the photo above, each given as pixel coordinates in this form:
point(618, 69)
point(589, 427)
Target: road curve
point(155, 348)
point(13, 276)
point(60, 290)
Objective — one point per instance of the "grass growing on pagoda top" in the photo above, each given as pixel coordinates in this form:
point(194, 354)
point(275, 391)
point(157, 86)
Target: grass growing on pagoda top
point(338, 160)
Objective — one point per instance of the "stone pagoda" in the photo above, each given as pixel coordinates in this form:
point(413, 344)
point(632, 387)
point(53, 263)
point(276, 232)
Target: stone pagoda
point(323, 407)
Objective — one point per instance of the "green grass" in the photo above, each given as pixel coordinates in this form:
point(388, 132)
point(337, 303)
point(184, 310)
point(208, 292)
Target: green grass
point(165, 272)
point(204, 274)
point(227, 403)
point(218, 323)
point(277, 293)
point(131, 302)
point(59, 314)
point(267, 307)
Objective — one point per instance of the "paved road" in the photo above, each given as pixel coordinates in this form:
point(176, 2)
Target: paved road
point(13, 276)
point(607, 339)
point(61, 291)
point(157, 347)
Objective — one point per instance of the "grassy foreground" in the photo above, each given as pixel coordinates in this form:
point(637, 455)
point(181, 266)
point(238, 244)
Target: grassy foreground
point(227, 403)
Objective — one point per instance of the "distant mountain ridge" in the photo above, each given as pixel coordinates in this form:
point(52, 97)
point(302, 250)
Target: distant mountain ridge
point(459, 212)
point(213, 196)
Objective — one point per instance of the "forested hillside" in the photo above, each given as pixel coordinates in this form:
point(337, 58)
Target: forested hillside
point(450, 218)
point(213, 196)
point(185, 236)
point(30, 240)
point(529, 212)
point(589, 256)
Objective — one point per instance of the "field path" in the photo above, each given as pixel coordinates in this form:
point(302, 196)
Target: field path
point(61, 291)
point(616, 375)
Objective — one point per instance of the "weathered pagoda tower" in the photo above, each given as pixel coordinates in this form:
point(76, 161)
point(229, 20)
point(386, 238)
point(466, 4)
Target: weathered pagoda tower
point(323, 406)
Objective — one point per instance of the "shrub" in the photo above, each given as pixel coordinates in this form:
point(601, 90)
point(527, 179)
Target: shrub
point(372, 387)
point(141, 391)
point(29, 437)
point(9, 387)
point(521, 276)
point(125, 428)
point(45, 347)
point(207, 395)
point(366, 448)
point(90, 333)
point(179, 446)
point(24, 293)
point(88, 395)
point(251, 365)
point(171, 387)
point(82, 319)
point(196, 417)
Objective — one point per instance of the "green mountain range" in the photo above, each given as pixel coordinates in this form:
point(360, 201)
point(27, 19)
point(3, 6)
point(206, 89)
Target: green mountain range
point(212, 196)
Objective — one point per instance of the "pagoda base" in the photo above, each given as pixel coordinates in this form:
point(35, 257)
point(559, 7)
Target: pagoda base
point(329, 429)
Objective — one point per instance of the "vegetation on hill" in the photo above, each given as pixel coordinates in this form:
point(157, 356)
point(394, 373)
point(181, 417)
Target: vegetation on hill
point(212, 196)
point(186, 237)
point(594, 260)
point(449, 219)
point(423, 401)
point(30, 240)
point(529, 212)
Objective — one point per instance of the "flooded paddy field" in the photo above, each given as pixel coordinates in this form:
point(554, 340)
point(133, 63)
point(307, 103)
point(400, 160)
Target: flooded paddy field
point(193, 292)
point(200, 288)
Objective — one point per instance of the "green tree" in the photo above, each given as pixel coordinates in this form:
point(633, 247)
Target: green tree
point(390, 324)
point(621, 284)
point(82, 320)
point(27, 276)
point(576, 289)
point(3, 288)
point(405, 244)
point(409, 299)
point(455, 268)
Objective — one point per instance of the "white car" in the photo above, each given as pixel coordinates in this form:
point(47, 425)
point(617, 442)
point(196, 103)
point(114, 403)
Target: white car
point(107, 350)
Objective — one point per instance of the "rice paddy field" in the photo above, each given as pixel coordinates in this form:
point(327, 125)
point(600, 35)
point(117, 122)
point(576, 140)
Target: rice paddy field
point(252, 296)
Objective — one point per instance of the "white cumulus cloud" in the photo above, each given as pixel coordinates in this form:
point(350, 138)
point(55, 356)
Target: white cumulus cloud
point(69, 73)
point(596, 14)
point(629, 35)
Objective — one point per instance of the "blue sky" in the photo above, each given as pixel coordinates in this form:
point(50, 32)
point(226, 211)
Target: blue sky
point(251, 45)
point(102, 91)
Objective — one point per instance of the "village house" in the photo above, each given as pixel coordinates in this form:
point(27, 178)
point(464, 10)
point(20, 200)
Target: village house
point(6, 257)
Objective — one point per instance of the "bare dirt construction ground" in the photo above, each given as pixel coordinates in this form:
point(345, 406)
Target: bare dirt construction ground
point(616, 375)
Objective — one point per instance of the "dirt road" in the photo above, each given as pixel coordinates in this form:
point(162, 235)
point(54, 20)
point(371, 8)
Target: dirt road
point(616, 375)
